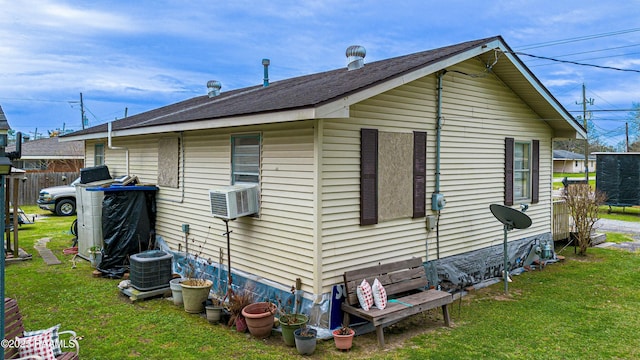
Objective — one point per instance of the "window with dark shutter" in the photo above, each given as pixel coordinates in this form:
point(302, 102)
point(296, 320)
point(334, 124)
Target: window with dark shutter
point(508, 171)
point(419, 173)
point(368, 176)
point(535, 171)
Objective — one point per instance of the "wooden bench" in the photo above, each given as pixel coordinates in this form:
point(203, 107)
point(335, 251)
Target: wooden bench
point(405, 283)
point(13, 327)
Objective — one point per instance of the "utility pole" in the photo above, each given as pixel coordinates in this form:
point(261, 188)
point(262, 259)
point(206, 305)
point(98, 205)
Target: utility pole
point(626, 132)
point(82, 110)
point(584, 103)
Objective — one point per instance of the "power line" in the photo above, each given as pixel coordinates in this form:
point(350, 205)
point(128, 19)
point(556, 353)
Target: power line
point(606, 110)
point(576, 39)
point(575, 63)
point(600, 50)
point(593, 58)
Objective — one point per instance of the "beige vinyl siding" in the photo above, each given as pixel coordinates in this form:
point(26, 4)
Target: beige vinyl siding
point(346, 244)
point(478, 113)
point(89, 153)
point(279, 245)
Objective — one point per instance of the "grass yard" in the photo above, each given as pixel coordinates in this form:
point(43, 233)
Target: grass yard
point(584, 307)
point(557, 184)
point(619, 213)
point(618, 238)
point(571, 175)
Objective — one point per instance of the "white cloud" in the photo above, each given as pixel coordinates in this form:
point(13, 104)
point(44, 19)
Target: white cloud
point(629, 63)
point(129, 51)
point(48, 15)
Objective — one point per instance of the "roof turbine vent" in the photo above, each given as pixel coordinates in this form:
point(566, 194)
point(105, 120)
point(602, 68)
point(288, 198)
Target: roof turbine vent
point(213, 88)
point(355, 57)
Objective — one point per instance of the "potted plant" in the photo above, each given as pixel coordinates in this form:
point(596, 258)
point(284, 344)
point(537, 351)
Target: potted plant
point(260, 318)
point(214, 309)
point(238, 300)
point(343, 337)
point(195, 291)
point(290, 320)
point(95, 255)
point(305, 340)
point(176, 290)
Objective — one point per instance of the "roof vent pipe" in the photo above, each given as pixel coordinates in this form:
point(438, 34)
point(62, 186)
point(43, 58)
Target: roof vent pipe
point(265, 63)
point(213, 88)
point(355, 57)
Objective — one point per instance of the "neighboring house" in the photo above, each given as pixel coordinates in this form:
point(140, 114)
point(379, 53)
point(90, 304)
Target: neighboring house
point(348, 161)
point(569, 162)
point(51, 155)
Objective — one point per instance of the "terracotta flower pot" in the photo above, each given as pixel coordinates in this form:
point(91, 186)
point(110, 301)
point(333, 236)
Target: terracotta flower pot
point(259, 317)
point(343, 342)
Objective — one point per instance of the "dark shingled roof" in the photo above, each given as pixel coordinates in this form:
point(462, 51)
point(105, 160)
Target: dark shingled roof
point(289, 94)
point(50, 147)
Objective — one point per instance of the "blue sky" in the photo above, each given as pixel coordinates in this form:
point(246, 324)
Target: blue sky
point(140, 55)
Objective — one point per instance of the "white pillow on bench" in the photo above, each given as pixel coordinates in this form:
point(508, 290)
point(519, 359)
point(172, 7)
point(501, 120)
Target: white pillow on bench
point(365, 295)
point(379, 294)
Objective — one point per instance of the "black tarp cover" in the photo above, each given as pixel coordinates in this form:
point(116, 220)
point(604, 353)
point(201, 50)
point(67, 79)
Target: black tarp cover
point(128, 224)
point(618, 176)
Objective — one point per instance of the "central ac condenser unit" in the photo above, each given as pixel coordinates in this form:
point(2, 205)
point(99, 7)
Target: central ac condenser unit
point(234, 201)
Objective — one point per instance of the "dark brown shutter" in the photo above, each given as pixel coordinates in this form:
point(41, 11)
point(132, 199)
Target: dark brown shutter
point(419, 173)
point(535, 172)
point(508, 171)
point(368, 176)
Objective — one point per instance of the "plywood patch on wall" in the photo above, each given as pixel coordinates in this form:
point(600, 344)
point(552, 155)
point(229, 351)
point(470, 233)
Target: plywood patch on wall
point(395, 174)
point(168, 162)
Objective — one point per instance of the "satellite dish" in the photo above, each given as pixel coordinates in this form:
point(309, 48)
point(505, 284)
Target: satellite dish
point(512, 219)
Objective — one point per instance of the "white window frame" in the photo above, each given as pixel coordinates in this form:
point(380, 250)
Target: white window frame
point(246, 156)
point(522, 170)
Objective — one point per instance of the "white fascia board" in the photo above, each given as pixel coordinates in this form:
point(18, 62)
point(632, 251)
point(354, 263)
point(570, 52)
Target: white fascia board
point(254, 119)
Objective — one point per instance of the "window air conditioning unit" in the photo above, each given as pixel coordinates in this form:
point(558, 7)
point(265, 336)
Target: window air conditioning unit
point(230, 202)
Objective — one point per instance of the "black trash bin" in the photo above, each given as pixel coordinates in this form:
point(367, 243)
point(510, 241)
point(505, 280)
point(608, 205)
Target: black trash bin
point(128, 225)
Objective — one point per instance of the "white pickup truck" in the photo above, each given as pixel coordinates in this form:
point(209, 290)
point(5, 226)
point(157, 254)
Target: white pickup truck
point(60, 200)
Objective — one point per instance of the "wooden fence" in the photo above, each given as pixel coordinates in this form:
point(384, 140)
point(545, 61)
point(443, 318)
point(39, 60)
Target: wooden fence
point(561, 220)
point(32, 182)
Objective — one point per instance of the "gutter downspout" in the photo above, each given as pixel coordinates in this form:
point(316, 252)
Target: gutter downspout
point(439, 130)
point(117, 147)
point(438, 143)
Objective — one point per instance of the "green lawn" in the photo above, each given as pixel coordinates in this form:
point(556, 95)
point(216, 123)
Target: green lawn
point(620, 213)
point(571, 175)
point(606, 212)
point(556, 185)
point(618, 237)
point(579, 308)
